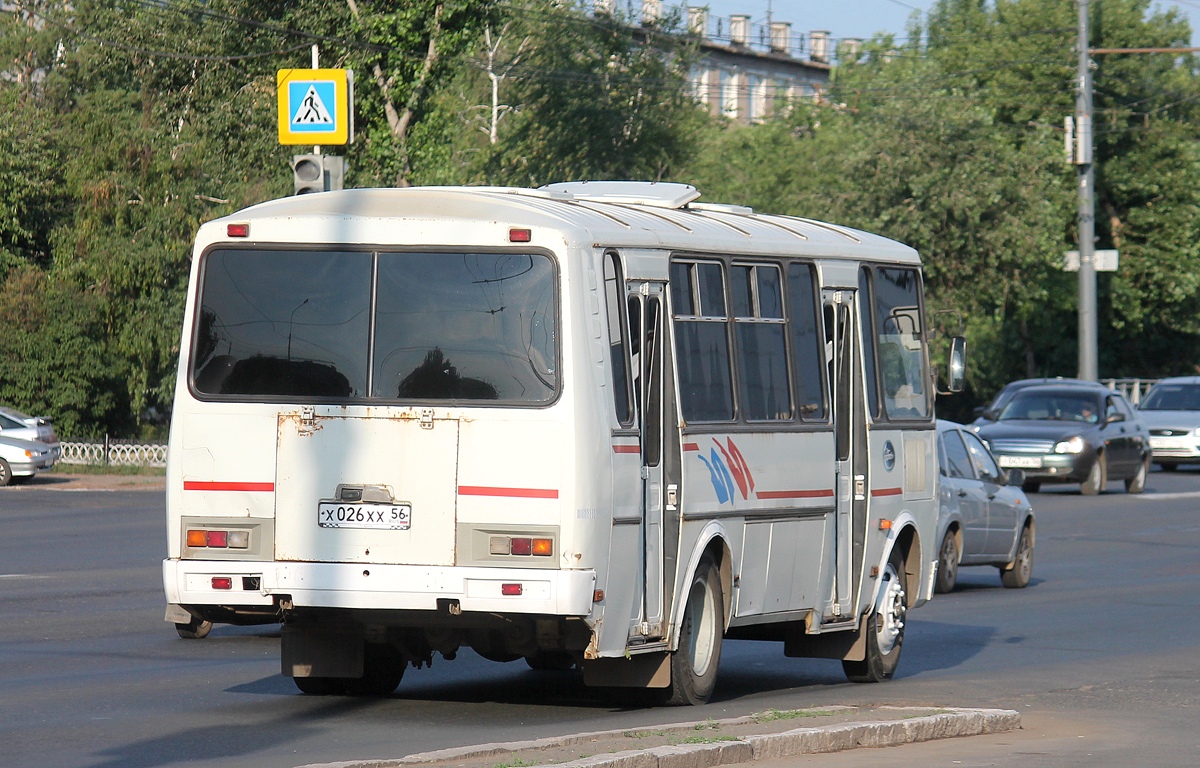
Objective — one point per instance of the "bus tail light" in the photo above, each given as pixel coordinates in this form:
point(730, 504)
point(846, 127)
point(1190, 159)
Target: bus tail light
point(524, 546)
point(200, 538)
point(512, 590)
point(222, 582)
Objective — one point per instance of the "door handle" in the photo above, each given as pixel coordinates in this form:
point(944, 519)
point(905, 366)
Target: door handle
point(961, 492)
point(991, 496)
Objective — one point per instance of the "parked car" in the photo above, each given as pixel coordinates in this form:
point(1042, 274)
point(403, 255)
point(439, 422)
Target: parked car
point(991, 412)
point(13, 423)
point(1080, 433)
point(984, 516)
point(22, 459)
point(1171, 410)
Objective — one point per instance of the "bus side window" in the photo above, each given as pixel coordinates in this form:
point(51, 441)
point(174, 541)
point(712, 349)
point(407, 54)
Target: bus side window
point(868, 341)
point(618, 342)
point(702, 341)
point(760, 331)
point(807, 349)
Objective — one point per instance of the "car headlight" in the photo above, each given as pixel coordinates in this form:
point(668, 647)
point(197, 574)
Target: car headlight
point(1074, 445)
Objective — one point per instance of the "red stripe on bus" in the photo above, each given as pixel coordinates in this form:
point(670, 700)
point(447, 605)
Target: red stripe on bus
point(691, 446)
point(817, 494)
point(887, 491)
point(627, 449)
point(517, 493)
point(205, 485)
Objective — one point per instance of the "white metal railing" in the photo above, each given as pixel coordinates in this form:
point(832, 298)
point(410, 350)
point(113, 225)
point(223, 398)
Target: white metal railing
point(1133, 389)
point(110, 453)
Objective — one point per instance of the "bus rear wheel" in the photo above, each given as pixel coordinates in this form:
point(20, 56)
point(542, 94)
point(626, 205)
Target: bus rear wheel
point(885, 628)
point(694, 663)
point(196, 629)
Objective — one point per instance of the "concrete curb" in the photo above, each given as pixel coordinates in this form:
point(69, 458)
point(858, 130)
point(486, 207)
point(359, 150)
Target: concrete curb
point(940, 723)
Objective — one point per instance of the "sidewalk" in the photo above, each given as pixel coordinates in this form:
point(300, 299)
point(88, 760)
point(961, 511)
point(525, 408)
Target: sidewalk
point(62, 481)
point(770, 735)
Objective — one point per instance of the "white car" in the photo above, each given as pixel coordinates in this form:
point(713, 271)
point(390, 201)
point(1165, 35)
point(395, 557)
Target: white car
point(1171, 410)
point(984, 518)
point(22, 459)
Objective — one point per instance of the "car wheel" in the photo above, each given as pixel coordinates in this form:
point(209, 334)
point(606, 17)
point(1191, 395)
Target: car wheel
point(885, 628)
point(947, 575)
point(694, 662)
point(5, 473)
point(1137, 483)
point(1031, 486)
point(1097, 478)
point(196, 629)
point(1017, 576)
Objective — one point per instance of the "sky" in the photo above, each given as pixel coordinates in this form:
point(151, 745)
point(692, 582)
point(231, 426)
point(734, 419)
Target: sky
point(864, 18)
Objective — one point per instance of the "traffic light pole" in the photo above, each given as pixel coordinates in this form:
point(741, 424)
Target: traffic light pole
point(1087, 205)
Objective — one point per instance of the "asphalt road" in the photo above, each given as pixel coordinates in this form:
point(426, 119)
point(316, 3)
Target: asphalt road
point(1098, 654)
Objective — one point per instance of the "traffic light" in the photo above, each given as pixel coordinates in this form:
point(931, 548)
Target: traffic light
point(317, 173)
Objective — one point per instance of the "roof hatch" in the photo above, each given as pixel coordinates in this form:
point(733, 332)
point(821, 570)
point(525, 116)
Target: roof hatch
point(659, 194)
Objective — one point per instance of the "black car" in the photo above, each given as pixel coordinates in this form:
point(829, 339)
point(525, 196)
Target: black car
point(991, 412)
point(1079, 432)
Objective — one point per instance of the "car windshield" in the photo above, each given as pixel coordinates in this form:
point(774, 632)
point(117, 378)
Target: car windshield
point(1172, 397)
point(1051, 406)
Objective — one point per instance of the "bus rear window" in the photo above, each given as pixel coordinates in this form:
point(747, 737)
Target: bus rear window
point(349, 325)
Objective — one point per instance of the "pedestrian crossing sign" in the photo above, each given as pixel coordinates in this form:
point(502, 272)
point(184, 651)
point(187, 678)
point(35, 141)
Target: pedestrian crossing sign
point(314, 106)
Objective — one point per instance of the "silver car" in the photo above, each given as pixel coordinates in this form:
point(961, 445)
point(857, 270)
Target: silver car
point(22, 459)
point(984, 516)
point(13, 423)
point(1171, 410)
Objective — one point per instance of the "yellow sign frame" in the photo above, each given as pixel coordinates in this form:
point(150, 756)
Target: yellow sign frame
point(305, 114)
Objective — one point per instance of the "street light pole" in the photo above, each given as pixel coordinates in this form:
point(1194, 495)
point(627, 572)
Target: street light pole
point(1087, 204)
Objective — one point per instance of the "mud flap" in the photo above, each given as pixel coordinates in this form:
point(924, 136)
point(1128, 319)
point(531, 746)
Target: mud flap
point(848, 646)
point(645, 670)
point(307, 651)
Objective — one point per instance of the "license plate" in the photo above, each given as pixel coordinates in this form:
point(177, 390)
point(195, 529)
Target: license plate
point(1165, 442)
point(388, 517)
point(1030, 462)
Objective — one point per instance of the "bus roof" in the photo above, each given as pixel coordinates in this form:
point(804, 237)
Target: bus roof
point(651, 215)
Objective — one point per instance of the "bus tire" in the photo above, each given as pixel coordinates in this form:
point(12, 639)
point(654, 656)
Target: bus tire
point(320, 686)
point(947, 574)
point(196, 629)
point(551, 661)
point(884, 628)
point(383, 668)
point(694, 662)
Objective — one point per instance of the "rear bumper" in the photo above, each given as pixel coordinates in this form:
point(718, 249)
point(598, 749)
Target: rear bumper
point(379, 587)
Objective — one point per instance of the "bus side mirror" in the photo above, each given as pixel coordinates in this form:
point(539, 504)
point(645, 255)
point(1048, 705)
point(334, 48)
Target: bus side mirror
point(956, 367)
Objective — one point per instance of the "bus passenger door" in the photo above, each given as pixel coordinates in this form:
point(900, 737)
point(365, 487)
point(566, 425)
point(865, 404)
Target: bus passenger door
point(845, 375)
point(648, 340)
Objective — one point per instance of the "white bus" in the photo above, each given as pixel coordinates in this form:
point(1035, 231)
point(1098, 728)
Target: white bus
point(595, 424)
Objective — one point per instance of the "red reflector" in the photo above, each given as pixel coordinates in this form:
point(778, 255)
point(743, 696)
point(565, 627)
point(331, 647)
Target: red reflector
point(222, 582)
point(218, 538)
point(519, 235)
point(511, 589)
point(522, 546)
point(237, 230)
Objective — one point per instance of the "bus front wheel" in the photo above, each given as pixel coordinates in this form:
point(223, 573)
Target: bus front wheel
point(884, 628)
point(694, 663)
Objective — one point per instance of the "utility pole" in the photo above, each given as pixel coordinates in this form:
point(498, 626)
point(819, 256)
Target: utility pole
point(1085, 177)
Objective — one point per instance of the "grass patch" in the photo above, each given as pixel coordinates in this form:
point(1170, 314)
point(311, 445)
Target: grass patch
point(707, 725)
point(772, 715)
point(642, 734)
point(518, 763)
point(101, 469)
point(705, 739)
